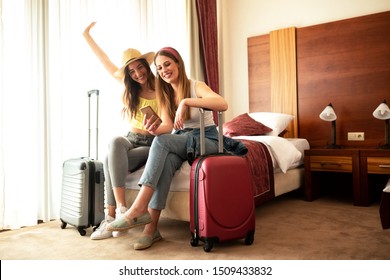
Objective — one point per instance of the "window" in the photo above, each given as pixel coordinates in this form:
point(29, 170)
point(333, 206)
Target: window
point(46, 70)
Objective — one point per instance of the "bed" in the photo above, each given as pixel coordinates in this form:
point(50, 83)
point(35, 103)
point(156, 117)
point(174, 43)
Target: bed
point(276, 162)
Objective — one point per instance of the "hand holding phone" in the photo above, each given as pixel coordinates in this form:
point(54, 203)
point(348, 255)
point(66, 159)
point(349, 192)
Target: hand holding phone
point(151, 116)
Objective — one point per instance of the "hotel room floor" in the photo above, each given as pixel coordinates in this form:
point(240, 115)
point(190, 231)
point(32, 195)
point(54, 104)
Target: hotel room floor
point(287, 228)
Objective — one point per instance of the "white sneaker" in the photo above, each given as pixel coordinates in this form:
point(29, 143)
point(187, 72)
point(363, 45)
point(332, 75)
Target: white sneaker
point(101, 232)
point(119, 213)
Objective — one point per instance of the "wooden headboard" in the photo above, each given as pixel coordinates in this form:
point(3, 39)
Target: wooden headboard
point(346, 63)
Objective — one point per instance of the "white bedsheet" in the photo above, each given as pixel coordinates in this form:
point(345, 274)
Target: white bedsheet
point(285, 152)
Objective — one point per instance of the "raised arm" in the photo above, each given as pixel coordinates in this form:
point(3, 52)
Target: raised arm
point(101, 55)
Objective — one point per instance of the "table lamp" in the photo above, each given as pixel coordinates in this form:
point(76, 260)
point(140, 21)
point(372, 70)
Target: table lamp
point(382, 112)
point(329, 115)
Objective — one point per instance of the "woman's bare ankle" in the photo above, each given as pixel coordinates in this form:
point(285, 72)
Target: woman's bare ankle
point(149, 229)
point(135, 212)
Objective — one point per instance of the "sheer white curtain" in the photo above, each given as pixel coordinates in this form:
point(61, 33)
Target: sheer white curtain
point(46, 70)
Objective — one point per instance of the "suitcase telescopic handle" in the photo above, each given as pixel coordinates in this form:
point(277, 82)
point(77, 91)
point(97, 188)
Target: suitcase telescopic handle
point(91, 92)
point(202, 132)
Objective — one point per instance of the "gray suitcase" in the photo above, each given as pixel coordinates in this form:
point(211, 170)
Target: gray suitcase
point(82, 197)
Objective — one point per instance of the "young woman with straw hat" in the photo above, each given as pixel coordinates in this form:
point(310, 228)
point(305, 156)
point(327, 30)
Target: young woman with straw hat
point(126, 153)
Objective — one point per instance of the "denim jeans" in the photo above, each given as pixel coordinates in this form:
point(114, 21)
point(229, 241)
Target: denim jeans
point(167, 154)
point(124, 154)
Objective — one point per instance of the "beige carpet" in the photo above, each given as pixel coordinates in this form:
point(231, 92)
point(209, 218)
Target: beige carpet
point(287, 228)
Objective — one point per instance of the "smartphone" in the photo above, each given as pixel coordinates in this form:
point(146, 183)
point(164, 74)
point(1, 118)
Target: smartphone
point(150, 113)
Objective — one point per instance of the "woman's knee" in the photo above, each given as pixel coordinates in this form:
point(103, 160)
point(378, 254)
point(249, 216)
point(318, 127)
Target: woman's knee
point(118, 143)
point(161, 140)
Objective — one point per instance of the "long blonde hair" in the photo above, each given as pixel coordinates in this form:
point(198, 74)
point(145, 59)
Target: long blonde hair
point(164, 91)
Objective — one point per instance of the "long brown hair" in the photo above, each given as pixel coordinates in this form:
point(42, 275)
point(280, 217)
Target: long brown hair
point(164, 91)
point(130, 96)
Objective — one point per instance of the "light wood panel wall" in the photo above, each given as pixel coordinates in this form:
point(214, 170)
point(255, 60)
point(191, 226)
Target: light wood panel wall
point(284, 75)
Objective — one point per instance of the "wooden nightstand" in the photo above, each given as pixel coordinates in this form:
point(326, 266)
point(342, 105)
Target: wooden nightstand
point(361, 163)
point(372, 161)
point(331, 160)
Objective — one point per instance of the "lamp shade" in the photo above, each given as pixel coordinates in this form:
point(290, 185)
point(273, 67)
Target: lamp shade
point(328, 114)
point(382, 112)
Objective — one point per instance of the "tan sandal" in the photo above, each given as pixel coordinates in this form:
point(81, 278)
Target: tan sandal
point(124, 223)
point(147, 241)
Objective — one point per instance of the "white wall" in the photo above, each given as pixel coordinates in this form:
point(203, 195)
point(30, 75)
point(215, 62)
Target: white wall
point(239, 20)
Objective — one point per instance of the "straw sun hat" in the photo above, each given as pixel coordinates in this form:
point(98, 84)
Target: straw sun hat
point(131, 55)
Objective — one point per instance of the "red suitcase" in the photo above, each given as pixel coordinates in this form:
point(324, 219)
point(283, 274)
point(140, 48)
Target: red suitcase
point(221, 198)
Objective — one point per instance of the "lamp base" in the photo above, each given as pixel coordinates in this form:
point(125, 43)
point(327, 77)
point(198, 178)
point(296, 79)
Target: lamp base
point(384, 147)
point(333, 146)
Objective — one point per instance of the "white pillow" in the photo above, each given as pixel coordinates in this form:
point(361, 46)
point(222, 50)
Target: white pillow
point(277, 121)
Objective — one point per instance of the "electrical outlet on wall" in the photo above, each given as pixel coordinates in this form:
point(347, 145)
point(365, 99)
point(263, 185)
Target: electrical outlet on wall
point(355, 136)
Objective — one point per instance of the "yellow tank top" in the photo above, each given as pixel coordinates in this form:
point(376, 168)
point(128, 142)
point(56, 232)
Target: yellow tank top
point(137, 122)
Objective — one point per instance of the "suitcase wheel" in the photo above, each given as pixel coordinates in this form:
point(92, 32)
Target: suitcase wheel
point(81, 230)
point(63, 224)
point(208, 245)
point(250, 237)
point(194, 241)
